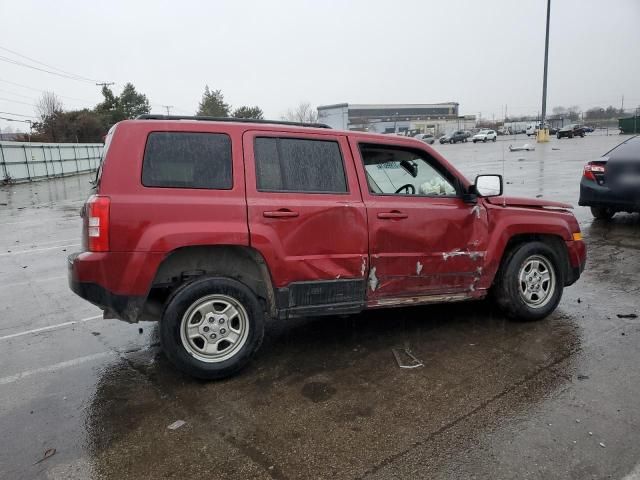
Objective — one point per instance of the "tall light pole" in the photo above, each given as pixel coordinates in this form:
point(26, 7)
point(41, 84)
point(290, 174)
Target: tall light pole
point(543, 132)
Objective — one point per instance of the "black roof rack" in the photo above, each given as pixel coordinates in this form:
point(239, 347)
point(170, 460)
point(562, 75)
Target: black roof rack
point(151, 116)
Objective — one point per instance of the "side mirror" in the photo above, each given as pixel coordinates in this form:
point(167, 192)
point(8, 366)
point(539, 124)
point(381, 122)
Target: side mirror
point(489, 185)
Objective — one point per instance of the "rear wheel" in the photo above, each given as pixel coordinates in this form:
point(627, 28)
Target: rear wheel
point(602, 213)
point(212, 327)
point(530, 282)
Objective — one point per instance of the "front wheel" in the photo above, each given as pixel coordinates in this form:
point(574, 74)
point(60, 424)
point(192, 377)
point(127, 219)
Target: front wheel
point(494, 139)
point(530, 281)
point(602, 213)
point(212, 327)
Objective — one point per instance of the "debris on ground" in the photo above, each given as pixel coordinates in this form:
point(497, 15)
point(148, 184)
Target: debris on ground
point(95, 334)
point(527, 147)
point(602, 444)
point(590, 433)
point(583, 377)
point(413, 361)
point(49, 452)
point(577, 420)
point(176, 425)
point(627, 315)
point(579, 301)
point(539, 195)
point(555, 148)
point(140, 330)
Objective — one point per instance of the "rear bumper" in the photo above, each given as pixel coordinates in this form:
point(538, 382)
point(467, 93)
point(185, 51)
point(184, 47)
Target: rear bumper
point(594, 195)
point(117, 282)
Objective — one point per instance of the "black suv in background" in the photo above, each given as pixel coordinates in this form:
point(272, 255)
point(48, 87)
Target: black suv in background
point(570, 131)
point(457, 136)
point(611, 183)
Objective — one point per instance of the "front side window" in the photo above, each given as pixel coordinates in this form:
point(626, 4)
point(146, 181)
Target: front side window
point(299, 165)
point(188, 160)
point(398, 171)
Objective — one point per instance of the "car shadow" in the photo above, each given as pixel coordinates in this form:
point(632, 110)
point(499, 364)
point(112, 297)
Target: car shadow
point(327, 388)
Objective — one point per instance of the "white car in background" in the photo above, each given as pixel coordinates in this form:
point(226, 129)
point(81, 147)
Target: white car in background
point(484, 136)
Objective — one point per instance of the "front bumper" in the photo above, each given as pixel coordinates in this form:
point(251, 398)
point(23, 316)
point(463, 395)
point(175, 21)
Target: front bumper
point(577, 251)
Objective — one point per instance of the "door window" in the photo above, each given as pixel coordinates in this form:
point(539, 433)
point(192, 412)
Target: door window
point(299, 165)
point(187, 160)
point(398, 171)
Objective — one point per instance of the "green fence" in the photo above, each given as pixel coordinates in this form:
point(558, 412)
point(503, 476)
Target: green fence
point(23, 162)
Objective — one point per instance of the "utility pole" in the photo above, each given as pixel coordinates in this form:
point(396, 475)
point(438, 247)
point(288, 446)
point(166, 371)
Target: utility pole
point(168, 108)
point(543, 133)
point(622, 105)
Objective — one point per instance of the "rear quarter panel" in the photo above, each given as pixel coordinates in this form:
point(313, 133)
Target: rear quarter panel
point(151, 219)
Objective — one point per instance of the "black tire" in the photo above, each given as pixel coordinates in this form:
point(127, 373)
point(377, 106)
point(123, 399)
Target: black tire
point(495, 138)
point(474, 141)
point(180, 303)
point(559, 136)
point(571, 135)
point(602, 213)
point(484, 140)
point(507, 287)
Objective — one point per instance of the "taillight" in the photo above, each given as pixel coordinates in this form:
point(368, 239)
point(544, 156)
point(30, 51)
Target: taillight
point(97, 222)
point(592, 168)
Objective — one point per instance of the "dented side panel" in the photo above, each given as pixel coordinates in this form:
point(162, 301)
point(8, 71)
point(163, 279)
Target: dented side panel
point(326, 239)
point(437, 245)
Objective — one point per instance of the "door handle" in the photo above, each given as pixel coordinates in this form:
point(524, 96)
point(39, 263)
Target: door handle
point(392, 215)
point(284, 213)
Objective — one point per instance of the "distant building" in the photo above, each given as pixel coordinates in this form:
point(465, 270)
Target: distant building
point(10, 136)
point(403, 119)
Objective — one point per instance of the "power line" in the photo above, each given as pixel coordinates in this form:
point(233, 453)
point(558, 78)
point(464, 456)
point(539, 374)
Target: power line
point(18, 115)
point(15, 120)
point(16, 62)
point(17, 101)
point(42, 91)
point(49, 66)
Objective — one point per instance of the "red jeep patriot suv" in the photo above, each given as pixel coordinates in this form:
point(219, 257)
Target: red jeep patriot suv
point(210, 226)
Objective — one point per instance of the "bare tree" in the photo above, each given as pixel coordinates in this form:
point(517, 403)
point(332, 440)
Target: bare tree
point(304, 113)
point(48, 105)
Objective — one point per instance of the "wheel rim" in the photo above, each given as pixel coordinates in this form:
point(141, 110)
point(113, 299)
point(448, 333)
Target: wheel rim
point(536, 281)
point(214, 328)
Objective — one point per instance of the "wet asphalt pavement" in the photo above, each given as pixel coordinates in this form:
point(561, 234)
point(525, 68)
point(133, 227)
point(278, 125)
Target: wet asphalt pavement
point(325, 398)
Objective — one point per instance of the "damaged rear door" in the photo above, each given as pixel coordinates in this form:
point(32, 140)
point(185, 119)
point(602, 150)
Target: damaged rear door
point(307, 219)
point(424, 240)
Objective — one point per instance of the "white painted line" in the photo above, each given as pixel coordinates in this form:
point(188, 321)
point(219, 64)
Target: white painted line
point(53, 368)
point(50, 327)
point(35, 280)
point(37, 245)
point(19, 252)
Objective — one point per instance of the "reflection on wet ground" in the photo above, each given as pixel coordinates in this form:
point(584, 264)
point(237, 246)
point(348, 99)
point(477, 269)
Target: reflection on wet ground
point(325, 397)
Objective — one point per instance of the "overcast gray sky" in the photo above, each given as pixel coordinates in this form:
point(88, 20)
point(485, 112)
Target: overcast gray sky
point(482, 54)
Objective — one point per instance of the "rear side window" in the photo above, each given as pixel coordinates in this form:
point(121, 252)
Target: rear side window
point(299, 165)
point(187, 160)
